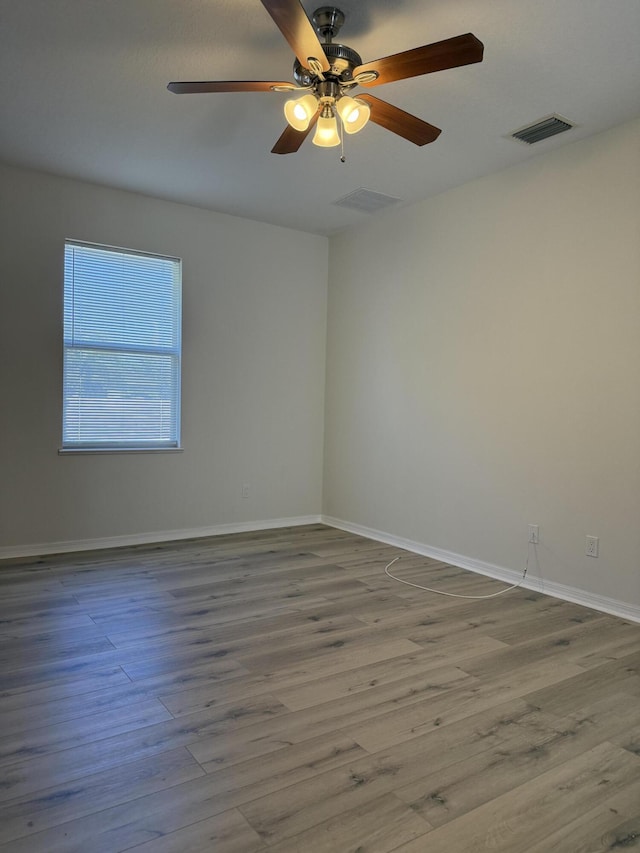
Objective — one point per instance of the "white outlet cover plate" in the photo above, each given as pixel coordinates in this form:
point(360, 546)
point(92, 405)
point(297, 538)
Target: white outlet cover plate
point(593, 544)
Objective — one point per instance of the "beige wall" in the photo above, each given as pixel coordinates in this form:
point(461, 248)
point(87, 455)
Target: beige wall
point(483, 368)
point(254, 321)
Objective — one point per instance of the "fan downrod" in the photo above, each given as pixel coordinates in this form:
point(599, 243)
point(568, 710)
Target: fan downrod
point(328, 20)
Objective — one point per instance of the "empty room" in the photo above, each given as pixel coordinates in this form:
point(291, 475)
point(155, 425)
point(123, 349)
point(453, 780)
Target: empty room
point(320, 426)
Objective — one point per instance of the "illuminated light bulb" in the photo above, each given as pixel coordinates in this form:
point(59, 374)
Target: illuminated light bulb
point(353, 112)
point(326, 135)
point(299, 112)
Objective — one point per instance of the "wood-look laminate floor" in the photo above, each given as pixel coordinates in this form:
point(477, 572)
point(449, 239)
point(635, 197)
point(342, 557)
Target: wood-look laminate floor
point(275, 692)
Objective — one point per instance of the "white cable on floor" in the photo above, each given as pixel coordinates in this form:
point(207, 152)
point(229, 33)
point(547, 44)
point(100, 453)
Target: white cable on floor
point(455, 594)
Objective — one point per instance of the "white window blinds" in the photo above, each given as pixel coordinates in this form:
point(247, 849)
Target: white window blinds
point(122, 319)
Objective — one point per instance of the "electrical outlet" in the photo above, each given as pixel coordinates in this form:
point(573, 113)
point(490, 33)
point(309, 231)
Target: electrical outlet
point(592, 546)
point(245, 491)
point(534, 534)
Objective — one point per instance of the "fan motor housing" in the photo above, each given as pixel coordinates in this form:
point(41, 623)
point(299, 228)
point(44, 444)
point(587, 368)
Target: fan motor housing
point(342, 60)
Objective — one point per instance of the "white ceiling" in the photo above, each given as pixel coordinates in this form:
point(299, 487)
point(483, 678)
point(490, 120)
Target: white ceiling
point(83, 93)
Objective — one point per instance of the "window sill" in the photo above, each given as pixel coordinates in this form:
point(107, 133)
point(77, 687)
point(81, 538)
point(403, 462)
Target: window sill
point(101, 451)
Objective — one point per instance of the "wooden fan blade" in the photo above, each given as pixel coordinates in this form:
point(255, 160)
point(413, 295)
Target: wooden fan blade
point(223, 86)
point(291, 139)
point(450, 53)
point(292, 21)
point(398, 121)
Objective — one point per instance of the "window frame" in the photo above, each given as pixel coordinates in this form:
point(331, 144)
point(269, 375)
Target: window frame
point(133, 446)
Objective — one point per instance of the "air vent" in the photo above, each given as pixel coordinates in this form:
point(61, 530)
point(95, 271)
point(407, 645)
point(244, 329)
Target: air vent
point(542, 129)
point(366, 201)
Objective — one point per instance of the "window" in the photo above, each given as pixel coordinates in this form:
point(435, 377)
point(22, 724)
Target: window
point(122, 318)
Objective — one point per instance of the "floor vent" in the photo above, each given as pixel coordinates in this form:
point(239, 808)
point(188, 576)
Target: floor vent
point(366, 201)
point(542, 129)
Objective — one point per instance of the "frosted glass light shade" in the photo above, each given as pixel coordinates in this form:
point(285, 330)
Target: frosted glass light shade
point(300, 111)
point(326, 135)
point(353, 112)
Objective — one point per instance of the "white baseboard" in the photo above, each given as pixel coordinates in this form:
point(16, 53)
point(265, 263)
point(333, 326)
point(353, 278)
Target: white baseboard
point(555, 590)
point(43, 548)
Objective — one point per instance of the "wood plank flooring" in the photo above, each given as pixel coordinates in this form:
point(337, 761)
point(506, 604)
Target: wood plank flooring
point(275, 692)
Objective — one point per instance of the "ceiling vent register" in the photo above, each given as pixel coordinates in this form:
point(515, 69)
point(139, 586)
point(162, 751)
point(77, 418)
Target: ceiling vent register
point(543, 129)
point(366, 201)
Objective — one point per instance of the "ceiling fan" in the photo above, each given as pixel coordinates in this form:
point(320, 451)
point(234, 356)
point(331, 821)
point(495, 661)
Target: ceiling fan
point(326, 73)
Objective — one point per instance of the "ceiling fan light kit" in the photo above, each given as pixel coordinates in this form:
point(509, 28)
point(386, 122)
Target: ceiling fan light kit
point(354, 114)
point(328, 97)
point(327, 73)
